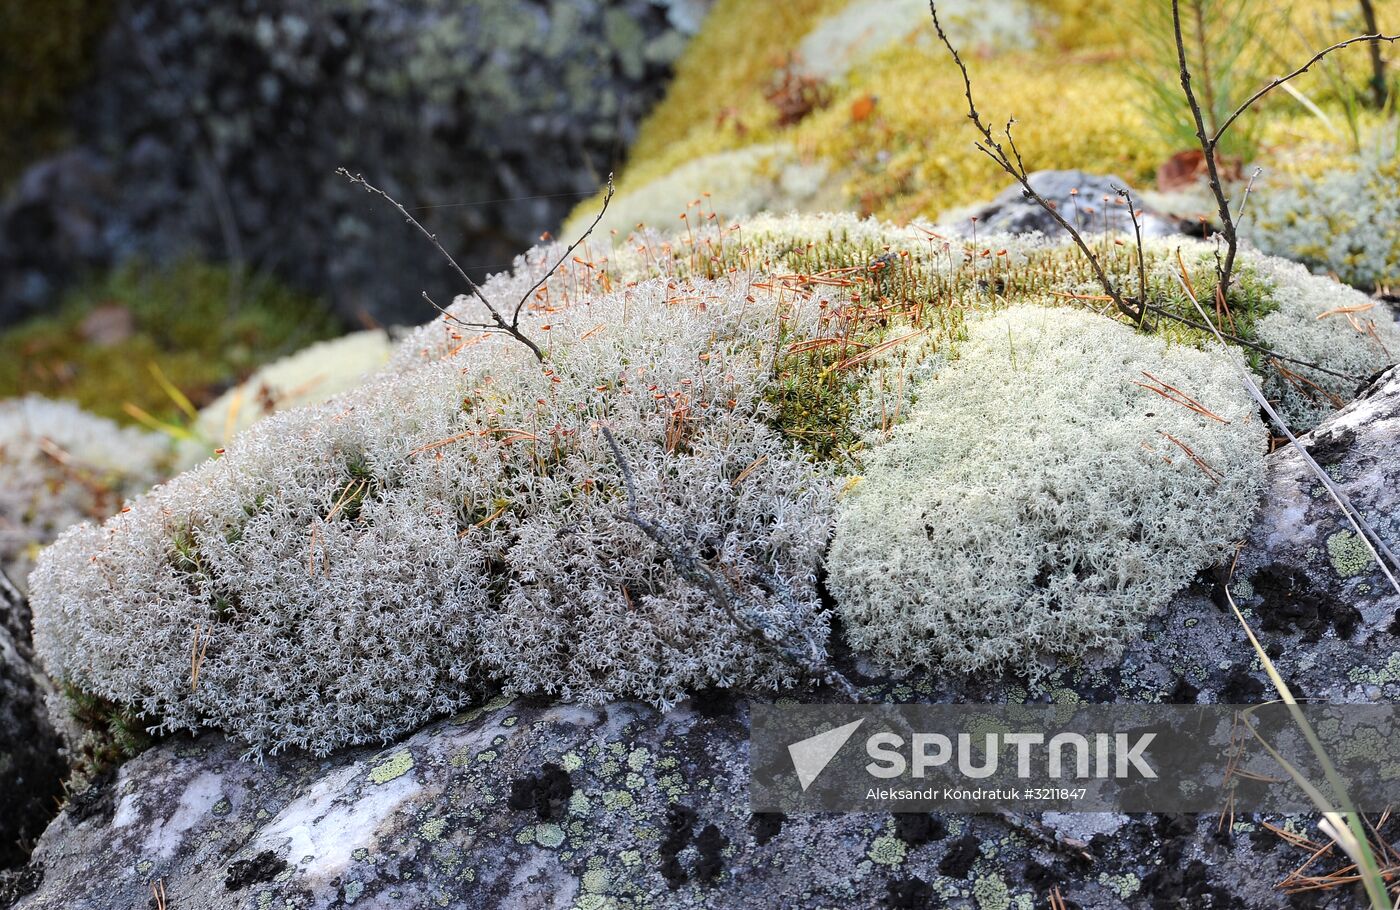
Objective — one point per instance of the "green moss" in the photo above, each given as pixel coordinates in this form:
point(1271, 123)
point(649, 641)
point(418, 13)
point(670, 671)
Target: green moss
point(117, 733)
point(205, 327)
point(908, 304)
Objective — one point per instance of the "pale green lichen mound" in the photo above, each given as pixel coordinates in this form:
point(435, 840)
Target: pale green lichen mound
point(310, 376)
point(1342, 223)
point(1327, 323)
point(1037, 499)
point(726, 184)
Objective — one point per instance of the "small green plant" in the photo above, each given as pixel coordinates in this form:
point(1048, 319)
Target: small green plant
point(1226, 59)
point(113, 734)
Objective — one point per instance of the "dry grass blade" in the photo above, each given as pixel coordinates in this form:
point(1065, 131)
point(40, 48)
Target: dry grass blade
point(1344, 828)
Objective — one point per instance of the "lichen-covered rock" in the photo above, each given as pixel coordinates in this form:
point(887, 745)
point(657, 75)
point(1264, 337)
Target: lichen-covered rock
point(460, 522)
point(218, 131)
point(1090, 202)
point(524, 805)
point(862, 29)
point(531, 804)
point(31, 769)
point(1304, 568)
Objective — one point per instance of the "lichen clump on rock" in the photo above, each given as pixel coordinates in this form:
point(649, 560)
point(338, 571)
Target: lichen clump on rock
point(1042, 498)
point(346, 572)
point(459, 524)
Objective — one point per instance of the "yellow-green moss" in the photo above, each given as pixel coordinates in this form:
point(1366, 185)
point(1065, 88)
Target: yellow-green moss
point(202, 325)
point(912, 154)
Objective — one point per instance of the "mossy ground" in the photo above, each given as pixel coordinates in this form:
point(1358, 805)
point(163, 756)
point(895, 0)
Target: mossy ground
point(203, 326)
point(895, 128)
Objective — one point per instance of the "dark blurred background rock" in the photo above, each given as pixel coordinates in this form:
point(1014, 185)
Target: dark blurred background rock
point(165, 128)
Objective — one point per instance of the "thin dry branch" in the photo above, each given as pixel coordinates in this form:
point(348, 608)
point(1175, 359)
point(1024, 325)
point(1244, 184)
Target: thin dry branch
point(603, 210)
point(1374, 39)
point(1015, 167)
point(1210, 140)
point(1225, 269)
point(499, 323)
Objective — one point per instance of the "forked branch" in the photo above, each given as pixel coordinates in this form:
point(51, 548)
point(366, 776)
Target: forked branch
point(1210, 141)
point(1014, 166)
point(499, 322)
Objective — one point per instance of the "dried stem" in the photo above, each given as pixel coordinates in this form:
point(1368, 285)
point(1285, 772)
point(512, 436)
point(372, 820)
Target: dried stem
point(1141, 257)
point(1209, 139)
point(1014, 166)
point(1373, 39)
point(499, 323)
point(1380, 88)
point(808, 656)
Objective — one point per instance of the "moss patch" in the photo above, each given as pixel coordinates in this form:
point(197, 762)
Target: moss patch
point(204, 326)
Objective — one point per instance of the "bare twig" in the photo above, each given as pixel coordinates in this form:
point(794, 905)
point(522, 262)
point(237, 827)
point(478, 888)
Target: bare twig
point(1014, 166)
point(1245, 342)
point(1209, 138)
point(1226, 268)
point(1244, 197)
point(809, 657)
point(1050, 837)
point(1137, 233)
point(515, 317)
point(1380, 87)
point(1373, 39)
point(499, 323)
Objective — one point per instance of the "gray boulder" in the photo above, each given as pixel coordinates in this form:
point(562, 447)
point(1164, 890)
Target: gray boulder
point(1304, 567)
point(1090, 202)
point(531, 806)
point(31, 767)
point(216, 130)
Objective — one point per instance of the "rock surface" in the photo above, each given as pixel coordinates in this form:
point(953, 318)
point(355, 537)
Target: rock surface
point(1304, 566)
point(531, 805)
point(1090, 202)
point(218, 132)
point(31, 769)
